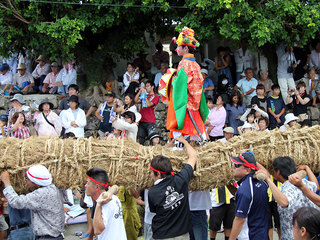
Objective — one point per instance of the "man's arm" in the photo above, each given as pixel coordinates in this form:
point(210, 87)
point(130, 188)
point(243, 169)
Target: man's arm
point(137, 97)
point(250, 91)
point(97, 113)
point(236, 227)
point(310, 174)
point(192, 154)
point(90, 110)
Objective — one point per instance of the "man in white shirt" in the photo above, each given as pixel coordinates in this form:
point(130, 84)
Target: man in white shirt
point(315, 57)
point(6, 77)
point(108, 219)
point(41, 70)
point(243, 58)
point(286, 65)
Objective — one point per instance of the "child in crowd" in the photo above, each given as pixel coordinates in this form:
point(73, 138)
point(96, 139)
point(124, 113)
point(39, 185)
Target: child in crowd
point(260, 99)
point(251, 120)
point(276, 107)
point(247, 127)
point(3, 125)
point(210, 104)
point(116, 134)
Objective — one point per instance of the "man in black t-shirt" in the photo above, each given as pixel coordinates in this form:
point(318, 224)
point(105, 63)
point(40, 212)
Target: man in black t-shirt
point(300, 101)
point(168, 198)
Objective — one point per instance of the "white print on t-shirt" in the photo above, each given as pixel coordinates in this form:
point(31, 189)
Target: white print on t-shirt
point(119, 212)
point(173, 198)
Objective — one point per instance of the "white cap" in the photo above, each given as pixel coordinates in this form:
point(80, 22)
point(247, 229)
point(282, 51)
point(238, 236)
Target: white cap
point(39, 175)
point(205, 71)
point(290, 117)
point(228, 130)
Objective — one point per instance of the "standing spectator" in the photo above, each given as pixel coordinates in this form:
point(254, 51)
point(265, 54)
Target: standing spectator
point(235, 109)
point(141, 61)
point(6, 77)
point(286, 66)
point(41, 70)
point(217, 118)
point(18, 105)
point(47, 215)
point(302, 55)
point(266, 82)
point(224, 86)
point(168, 197)
point(247, 86)
point(261, 63)
point(306, 224)
point(108, 218)
point(48, 122)
point(163, 70)
point(160, 56)
point(149, 101)
point(260, 99)
point(103, 113)
point(251, 218)
point(3, 125)
point(222, 64)
point(131, 79)
point(243, 58)
point(175, 58)
point(22, 81)
point(158, 76)
point(315, 57)
point(73, 89)
point(49, 83)
point(66, 77)
point(73, 119)
point(276, 108)
point(300, 101)
point(208, 85)
point(18, 127)
point(289, 198)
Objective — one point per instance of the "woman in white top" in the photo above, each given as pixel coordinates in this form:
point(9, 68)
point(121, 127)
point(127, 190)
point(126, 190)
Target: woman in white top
point(131, 79)
point(129, 105)
point(128, 126)
point(74, 118)
point(48, 122)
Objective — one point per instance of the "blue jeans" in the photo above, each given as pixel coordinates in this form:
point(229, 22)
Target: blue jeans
point(199, 225)
point(25, 233)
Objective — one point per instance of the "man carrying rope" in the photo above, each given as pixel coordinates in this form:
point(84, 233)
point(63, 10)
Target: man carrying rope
point(168, 198)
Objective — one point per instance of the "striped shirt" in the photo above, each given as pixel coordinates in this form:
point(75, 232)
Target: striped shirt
point(20, 133)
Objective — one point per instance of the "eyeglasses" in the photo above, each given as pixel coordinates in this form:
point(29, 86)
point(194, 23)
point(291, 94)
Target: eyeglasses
point(237, 165)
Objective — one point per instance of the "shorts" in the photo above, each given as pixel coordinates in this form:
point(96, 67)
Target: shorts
point(3, 224)
point(224, 213)
point(146, 129)
point(273, 212)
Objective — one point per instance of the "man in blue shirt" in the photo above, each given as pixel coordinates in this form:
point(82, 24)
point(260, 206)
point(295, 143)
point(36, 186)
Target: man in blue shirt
point(208, 85)
point(247, 86)
point(251, 218)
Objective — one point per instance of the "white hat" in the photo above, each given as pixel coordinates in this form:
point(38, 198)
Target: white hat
point(290, 117)
point(18, 97)
point(39, 175)
point(205, 71)
point(228, 130)
point(246, 125)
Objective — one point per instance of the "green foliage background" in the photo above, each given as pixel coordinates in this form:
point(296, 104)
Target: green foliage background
point(97, 34)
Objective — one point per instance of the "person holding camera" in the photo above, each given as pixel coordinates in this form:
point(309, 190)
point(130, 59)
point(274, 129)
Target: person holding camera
point(300, 100)
point(286, 65)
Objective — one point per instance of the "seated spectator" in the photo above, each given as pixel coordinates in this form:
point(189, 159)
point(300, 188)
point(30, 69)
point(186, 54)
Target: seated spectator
point(306, 224)
point(256, 111)
point(276, 108)
point(228, 133)
point(290, 121)
point(245, 128)
point(3, 125)
point(48, 122)
point(115, 134)
point(260, 99)
point(247, 86)
point(18, 105)
point(131, 79)
point(207, 86)
point(41, 71)
point(154, 139)
point(222, 64)
point(235, 108)
point(74, 119)
point(22, 81)
point(163, 70)
point(217, 120)
point(18, 127)
point(309, 79)
point(224, 87)
point(66, 77)
point(315, 56)
point(300, 100)
point(73, 89)
point(49, 83)
point(103, 113)
point(6, 77)
point(263, 124)
point(128, 126)
point(249, 118)
point(290, 198)
point(266, 82)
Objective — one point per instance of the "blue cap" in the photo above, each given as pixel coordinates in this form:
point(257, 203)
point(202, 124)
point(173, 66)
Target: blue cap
point(4, 117)
point(4, 67)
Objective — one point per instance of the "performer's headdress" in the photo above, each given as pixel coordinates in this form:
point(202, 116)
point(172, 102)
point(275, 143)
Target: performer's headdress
point(186, 37)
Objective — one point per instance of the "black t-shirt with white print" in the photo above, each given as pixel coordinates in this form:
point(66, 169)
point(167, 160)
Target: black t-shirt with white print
point(298, 108)
point(169, 200)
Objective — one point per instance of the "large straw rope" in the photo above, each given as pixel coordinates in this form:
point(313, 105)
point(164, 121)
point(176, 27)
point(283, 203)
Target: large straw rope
point(127, 163)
